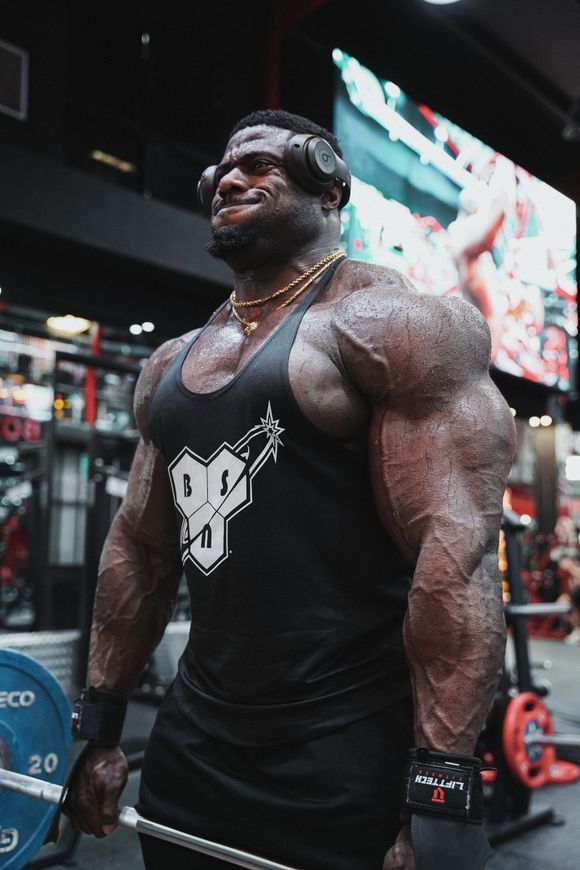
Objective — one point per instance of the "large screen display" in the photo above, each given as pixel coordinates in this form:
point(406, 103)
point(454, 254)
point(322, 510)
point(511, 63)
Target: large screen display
point(460, 219)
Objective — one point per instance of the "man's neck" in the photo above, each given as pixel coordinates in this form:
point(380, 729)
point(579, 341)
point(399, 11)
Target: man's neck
point(260, 281)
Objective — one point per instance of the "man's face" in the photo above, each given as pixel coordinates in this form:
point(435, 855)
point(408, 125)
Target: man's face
point(256, 206)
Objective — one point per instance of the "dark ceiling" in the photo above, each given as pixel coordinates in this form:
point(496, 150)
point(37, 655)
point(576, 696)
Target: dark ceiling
point(540, 42)
point(507, 71)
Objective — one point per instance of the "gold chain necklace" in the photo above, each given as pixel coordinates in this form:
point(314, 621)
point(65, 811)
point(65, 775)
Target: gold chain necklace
point(308, 277)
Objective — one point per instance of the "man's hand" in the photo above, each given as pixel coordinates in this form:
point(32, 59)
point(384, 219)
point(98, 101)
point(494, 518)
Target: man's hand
point(401, 856)
point(92, 802)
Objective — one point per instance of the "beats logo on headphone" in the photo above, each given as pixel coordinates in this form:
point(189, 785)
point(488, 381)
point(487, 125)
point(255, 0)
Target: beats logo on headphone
point(309, 160)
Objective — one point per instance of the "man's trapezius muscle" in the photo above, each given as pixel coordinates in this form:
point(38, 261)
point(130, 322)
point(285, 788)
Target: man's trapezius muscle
point(373, 363)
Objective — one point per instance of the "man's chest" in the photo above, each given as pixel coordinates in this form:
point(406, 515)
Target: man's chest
point(322, 391)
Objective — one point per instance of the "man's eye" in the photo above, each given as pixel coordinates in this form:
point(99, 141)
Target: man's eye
point(260, 164)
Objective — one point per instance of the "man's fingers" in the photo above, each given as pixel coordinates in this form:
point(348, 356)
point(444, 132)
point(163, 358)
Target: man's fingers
point(401, 855)
point(93, 815)
point(107, 798)
point(109, 815)
point(80, 823)
point(391, 861)
point(388, 862)
point(92, 805)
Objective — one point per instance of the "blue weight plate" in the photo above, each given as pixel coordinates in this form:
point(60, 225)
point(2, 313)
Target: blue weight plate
point(35, 735)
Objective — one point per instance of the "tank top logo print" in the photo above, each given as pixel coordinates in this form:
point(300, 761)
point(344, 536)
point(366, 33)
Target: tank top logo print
point(209, 492)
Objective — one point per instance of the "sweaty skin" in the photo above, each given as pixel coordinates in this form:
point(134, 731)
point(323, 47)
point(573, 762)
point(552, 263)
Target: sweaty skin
point(372, 357)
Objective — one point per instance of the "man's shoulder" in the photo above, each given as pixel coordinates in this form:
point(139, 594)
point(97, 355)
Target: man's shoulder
point(153, 371)
point(376, 297)
point(360, 281)
point(415, 334)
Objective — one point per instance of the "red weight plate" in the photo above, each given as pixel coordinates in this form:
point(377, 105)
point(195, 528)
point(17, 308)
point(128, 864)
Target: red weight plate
point(529, 762)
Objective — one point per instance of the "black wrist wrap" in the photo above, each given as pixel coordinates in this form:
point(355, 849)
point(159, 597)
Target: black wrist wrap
point(443, 784)
point(99, 716)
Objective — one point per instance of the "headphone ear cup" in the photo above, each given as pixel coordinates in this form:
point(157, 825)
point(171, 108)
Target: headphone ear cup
point(321, 160)
point(297, 164)
point(206, 188)
point(314, 165)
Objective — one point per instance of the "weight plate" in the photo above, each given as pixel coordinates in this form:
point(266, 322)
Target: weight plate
point(529, 762)
point(35, 736)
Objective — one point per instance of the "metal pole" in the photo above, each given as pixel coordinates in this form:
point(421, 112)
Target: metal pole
point(130, 818)
point(553, 739)
point(519, 624)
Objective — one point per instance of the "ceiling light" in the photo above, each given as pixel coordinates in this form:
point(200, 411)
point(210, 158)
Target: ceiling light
point(67, 325)
point(147, 326)
point(135, 329)
point(441, 2)
point(514, 412)
point(545, 420)
point(534, 422)
point(111, 160)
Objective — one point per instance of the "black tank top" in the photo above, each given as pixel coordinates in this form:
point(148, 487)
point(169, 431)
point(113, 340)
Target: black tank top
point(297, 592)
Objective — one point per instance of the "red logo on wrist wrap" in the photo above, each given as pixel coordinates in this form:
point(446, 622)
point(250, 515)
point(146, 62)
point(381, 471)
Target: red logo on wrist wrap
point(438, 796)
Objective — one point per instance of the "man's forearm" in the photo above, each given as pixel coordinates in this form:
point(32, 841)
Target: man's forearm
point(454, 640)
point(134, 600)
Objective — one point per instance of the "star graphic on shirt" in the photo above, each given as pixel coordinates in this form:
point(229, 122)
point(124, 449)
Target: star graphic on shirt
point(272, 430)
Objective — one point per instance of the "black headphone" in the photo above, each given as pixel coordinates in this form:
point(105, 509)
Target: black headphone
point(309, 160)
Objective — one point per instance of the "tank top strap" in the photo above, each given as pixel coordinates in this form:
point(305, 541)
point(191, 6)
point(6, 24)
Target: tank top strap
point(293, 322)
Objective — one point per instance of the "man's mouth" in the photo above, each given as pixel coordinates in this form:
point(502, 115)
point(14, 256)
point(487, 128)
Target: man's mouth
point(233, 203)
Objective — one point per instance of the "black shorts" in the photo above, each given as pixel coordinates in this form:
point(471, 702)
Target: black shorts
point(331, 803)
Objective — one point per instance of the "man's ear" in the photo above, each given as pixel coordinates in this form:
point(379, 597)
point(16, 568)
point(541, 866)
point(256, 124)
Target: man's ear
point(330, 199)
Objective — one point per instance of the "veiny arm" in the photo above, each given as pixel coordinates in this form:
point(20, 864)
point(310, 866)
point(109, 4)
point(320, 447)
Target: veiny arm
point(140, 565)
point(439, 480)
point(138, 578)
point(441, 445)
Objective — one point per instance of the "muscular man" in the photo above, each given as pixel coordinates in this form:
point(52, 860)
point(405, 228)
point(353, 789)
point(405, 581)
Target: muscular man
point(335, 457)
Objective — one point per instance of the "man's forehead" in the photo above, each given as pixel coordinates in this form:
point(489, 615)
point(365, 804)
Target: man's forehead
point(253, 138)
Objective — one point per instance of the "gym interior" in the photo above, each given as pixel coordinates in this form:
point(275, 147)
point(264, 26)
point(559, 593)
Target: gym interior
point(449, 114)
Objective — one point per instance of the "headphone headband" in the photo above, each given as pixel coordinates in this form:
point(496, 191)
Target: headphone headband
point(309, 160)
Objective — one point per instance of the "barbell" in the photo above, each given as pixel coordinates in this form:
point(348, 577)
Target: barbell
point(130, 818)
point(35, 738)
point(34, 743)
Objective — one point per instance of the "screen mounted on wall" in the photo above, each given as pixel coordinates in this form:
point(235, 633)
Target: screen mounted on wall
point(460, 219)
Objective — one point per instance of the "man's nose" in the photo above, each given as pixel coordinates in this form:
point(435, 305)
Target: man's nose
point(233, 180)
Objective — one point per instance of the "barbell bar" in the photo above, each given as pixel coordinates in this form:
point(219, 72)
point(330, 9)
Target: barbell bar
point(553, 739)
point(129, 818)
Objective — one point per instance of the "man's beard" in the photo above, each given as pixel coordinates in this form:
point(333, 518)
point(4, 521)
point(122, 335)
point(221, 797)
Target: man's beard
point(228, 241)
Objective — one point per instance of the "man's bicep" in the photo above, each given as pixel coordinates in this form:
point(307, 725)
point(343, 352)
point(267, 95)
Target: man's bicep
point(148, 504)
point(441, 476)
point(147, 508)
